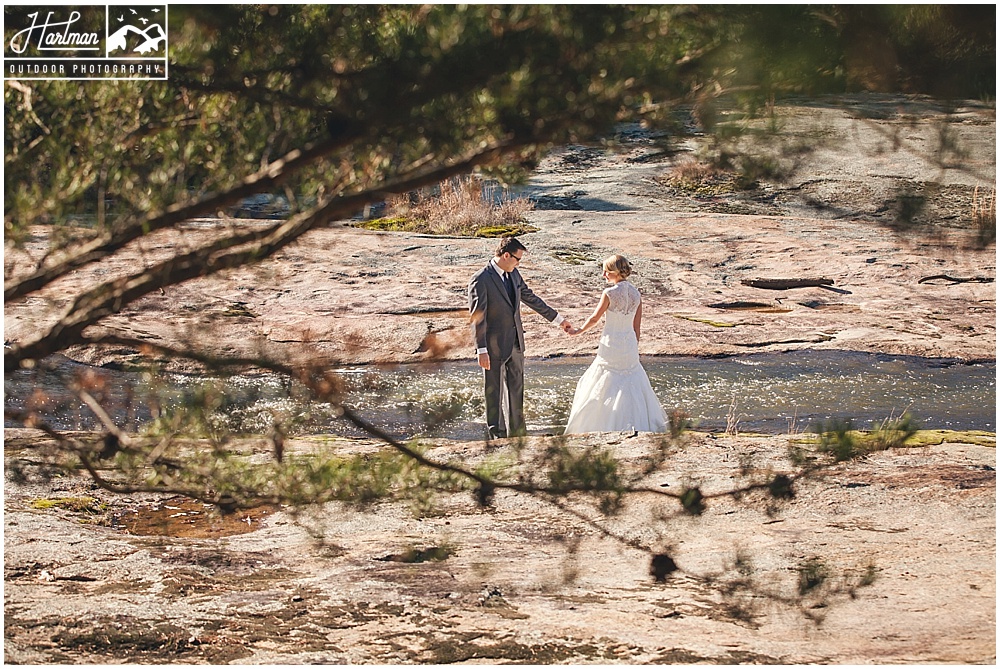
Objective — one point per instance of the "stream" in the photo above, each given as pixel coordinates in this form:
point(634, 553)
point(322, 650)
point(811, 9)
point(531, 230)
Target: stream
point(764, 393)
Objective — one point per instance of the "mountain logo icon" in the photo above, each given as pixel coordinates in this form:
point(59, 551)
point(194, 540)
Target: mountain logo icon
point(149, 39)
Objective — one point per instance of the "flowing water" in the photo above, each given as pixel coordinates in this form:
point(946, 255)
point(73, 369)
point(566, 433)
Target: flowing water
point(767, 393)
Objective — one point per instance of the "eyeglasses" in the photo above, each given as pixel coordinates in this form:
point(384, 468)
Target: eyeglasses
point(517, 258)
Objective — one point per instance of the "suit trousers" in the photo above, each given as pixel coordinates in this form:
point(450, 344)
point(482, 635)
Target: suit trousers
point(509, 372)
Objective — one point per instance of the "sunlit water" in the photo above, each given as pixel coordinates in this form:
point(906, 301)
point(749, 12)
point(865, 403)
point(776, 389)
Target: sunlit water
point(768, 393)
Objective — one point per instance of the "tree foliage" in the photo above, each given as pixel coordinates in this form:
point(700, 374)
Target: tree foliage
point(337, 106)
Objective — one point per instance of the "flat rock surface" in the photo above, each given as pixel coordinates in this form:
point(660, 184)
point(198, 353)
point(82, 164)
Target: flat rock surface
point(361, 296)
point(527, 582)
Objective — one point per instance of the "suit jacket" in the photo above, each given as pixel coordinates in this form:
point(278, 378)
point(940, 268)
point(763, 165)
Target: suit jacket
point(496, 322)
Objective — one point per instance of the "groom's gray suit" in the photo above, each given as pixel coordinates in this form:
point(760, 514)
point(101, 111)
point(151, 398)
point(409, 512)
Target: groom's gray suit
point(496, 321)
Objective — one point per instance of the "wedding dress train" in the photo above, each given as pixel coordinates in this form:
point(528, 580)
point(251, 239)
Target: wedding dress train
point(614, 394)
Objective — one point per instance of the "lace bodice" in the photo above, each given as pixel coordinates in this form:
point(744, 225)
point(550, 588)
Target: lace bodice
point(624, 298)
point(618, 348)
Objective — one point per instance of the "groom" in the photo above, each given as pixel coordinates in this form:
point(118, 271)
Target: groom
point(495, 296)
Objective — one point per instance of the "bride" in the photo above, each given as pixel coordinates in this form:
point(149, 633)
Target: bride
point(614, 394)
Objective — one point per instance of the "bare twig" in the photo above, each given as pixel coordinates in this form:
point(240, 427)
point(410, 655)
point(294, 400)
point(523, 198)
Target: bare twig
point(102, 416)
point(956, 280)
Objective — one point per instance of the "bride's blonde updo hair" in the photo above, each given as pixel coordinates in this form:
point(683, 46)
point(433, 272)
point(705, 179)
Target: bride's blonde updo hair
point(619, 264)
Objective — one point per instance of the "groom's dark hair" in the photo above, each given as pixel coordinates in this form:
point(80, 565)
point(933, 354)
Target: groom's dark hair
point(509, 245)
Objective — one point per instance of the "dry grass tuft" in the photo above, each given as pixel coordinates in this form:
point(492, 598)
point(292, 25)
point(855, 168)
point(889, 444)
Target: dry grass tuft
point(733, 419)
point(462, 207)
point(703, 179)
point(984, 217)
point(693, 174)
point(722, 175)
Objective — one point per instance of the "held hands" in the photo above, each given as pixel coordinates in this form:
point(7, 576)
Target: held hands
point(568, 327)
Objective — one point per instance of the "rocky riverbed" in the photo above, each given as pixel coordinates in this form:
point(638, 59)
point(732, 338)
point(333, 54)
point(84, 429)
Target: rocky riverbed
point(523, 581)
point(839, 212)
point(527, 582)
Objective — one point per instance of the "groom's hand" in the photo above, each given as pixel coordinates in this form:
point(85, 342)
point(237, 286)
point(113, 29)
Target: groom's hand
point(567, 327)
point(484, 360)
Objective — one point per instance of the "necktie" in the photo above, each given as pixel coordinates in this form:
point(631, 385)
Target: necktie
point(509, 285)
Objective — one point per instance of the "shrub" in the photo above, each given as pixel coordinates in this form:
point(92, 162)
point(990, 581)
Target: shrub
point(840, 440)
point(463, 207)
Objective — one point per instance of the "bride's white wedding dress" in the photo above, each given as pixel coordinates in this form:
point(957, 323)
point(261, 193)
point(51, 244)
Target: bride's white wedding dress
point(614, 394)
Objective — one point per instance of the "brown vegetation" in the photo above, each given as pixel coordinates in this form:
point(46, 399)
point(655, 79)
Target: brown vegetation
point(462, 206)
point(984, 217)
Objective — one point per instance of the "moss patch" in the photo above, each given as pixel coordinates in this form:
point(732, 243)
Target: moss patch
point(572, 256)
point(392, 224)
point(706, 321)
point(936, 437)
point(750, 306)
point(926, 438)
point(74, 504)
point(505, 230)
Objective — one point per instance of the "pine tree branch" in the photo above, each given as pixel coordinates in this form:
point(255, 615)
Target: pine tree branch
point(107, 244)
point(109, 298)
